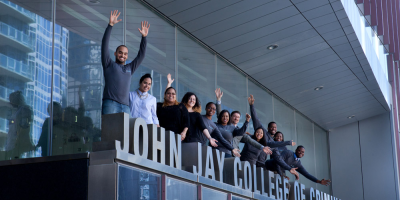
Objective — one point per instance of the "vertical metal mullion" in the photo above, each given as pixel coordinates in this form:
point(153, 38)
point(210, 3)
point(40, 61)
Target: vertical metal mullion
point(216, 71)
point(199, 192)
point(124, 23)
point(176, 62)
point(247, 94)
point(50, 136)
point(295, 127)
point(315, 155)
point(151, 88)
point(396, 112)
point(273, 108)
point(163, 187)
point(329, 156)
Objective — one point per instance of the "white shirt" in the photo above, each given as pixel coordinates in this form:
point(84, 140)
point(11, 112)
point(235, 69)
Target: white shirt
point(145, 107)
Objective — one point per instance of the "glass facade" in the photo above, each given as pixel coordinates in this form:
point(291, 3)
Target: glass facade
point(28, 62)
point(211, 194)
point(138, 184)
point(177, 189)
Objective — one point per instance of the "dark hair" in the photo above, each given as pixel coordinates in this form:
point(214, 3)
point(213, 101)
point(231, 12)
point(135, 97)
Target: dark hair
point(300, 146)
point(164, 103)
point(165, 92)
point(283, 139)
point(144, 77)
point(236, 112)
point(57, 109)
point(209, 103)
point(270, 124)
point(220, 117)
point(17, 98)
point(262, 141)
point(116, 50)
point(197, 105)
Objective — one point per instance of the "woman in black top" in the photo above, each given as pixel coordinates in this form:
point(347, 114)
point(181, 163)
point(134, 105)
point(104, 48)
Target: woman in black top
point(279, 138)
point(251, 153)
point(172, 115)
point(197, 132)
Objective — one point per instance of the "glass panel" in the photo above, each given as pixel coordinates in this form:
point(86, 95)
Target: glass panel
point(305, 137)
point(196, 70)
point(78, 80)
point(284, 118)
point(262, 104)
point(322, 158)
point(233, 85)
point(160, 50)
point(25, 68)
point(138, 184)
point(237, 198)
point(180, 190)
point(211, 194)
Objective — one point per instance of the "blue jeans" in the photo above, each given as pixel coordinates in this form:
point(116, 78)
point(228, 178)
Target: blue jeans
point(110, 107)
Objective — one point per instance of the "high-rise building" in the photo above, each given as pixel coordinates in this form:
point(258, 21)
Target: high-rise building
point(26, 62)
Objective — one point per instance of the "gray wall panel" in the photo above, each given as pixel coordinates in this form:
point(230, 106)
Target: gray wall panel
point(362, 160)
point(345, 162)
point(377, 160)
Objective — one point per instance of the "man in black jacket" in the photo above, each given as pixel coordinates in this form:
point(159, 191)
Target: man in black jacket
point(289, 160)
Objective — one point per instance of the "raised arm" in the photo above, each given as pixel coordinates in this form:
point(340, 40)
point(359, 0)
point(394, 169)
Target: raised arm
point(105, 54)
point(242, 130)
point(274, 144)
point(256, 122)
point(170, 81)
point(142, 50)
point(218, 94)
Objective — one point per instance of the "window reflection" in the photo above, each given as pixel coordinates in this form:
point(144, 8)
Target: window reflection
point(233, 85)
point(211, 194)
point(180, 190)
point(25, 74)
point(196, 67)
point(322, 158)
point(262, 104)
point(138, 184)
point(305, 137)
point(284, 118)
point(160, 51)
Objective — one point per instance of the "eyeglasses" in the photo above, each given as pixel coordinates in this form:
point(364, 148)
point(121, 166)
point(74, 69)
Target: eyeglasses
point(211, 109)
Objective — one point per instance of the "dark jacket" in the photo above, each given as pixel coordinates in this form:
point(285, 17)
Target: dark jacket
point(286, 160)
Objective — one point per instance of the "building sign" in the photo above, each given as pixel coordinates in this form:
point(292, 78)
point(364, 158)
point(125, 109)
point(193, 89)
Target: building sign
point(165, 147)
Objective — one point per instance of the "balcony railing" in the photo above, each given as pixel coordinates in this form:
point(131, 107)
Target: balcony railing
point(17, 35)
point(20, 9)
point(15, 66)
point(5, 92)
